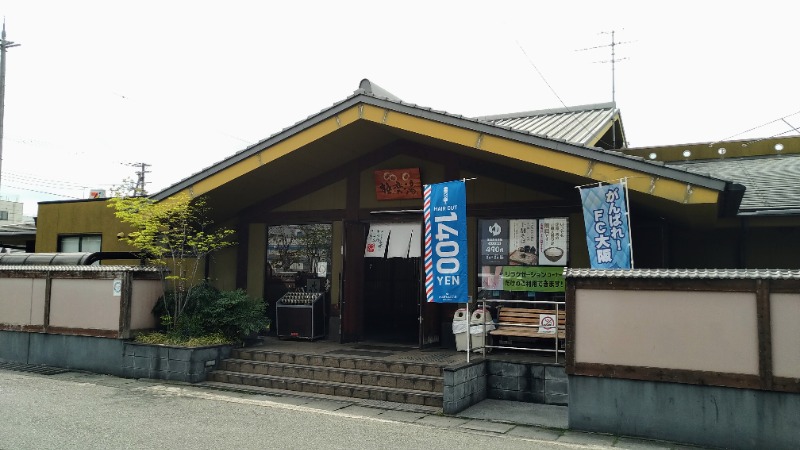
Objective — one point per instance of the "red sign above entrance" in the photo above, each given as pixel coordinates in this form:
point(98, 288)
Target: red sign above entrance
point(396, 184)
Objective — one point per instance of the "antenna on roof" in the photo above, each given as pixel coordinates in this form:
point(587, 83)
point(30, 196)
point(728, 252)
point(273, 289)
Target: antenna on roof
point(614, 60)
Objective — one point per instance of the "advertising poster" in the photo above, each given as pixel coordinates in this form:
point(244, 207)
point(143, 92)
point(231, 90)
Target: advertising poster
point(445, 214)
point(553, 238)
point(607, 228)
point(523, 242)
point(494, 242)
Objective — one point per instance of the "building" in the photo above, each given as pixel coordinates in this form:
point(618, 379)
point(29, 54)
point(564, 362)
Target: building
point(359, 165)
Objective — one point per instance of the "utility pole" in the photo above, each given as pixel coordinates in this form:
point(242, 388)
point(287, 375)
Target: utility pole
point(139, 190)
point(4, 44)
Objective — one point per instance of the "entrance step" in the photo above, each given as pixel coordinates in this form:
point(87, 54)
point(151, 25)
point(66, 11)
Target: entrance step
point(339, 375)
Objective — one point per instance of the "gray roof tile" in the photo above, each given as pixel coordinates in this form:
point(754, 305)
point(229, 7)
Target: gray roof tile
point(772, 182)
point(728, 274)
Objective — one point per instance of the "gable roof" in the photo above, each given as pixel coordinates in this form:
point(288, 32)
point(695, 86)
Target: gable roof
point(378, 109)
point(582, 125)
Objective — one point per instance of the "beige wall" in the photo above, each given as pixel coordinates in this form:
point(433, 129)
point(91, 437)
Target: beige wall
point(88, 304)
point(704, 331)
point(22, 301)
point(785, 318)
point(79, 302)
point(144, 295)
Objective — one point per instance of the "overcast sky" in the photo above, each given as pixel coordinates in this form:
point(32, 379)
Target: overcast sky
point(181, 85)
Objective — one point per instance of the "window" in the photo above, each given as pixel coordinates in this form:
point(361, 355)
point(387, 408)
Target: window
point(79, 243)
point(3, 215)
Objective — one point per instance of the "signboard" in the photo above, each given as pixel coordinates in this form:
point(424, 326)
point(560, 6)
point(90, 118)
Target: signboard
point(522, 243)
point(445, 213)
point(394, 184)
point(548, 324)
point(377, 239)
point(605, 214)
point(553, 239)
point(494, 242)
point(533, 279)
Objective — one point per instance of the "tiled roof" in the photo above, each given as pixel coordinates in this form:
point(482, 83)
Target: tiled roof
point(581, 125)
point(81, 268)
point(15, 229)
point(772, 182)
point(728, 274)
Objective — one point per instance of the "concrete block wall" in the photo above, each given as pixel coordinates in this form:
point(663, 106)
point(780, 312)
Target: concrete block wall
point(712, 416)
point(171, 363)
point(464, 386)
point(93, 354)
point(526, 382)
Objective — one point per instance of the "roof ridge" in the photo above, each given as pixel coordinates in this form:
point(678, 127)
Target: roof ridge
point(541, 112)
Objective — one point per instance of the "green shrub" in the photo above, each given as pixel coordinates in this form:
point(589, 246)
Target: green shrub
point(208, 311)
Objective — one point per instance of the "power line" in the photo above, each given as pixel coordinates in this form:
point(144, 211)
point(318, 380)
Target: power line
point(779, 119)
point(541, 75)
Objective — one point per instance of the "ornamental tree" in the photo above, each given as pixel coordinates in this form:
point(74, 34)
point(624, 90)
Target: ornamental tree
point(177, 235)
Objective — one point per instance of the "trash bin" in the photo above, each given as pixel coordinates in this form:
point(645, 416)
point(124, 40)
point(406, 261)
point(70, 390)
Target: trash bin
point(460, 328)
point(476, 328)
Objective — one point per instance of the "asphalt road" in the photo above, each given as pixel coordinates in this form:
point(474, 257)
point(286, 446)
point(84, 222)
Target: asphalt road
point(88, 411)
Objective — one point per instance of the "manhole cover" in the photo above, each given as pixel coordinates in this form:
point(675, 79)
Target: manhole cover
point(33, 368)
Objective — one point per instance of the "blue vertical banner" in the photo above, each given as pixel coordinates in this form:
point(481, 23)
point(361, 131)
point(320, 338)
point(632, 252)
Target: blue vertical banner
point(605, 213)
point(445, 212)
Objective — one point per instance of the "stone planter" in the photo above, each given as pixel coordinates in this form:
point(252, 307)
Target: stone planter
point(163, 362)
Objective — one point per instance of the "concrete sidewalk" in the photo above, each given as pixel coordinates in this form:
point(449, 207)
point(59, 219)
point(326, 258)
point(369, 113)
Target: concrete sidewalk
point(547, 423)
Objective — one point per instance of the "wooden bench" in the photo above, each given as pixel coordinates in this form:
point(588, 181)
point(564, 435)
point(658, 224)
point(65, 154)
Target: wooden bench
point(524, 322)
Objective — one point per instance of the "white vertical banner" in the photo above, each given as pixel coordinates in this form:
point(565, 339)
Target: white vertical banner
point(377, 240)
point(415, 247)
point(399, 240)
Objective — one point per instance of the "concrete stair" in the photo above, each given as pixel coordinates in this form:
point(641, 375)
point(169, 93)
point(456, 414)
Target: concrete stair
point(340, 375)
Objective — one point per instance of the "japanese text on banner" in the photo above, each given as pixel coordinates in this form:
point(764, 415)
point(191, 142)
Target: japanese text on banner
point(607, 227)
point(445, 212)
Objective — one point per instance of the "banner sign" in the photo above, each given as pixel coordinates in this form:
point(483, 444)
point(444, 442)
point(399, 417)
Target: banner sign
point(395, 184)
point(607, 228)
point(533, 279)
point(445, 213)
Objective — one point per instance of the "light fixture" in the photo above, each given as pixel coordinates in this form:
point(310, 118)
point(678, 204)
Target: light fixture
point(687, 153)
point(778, 147)
point(722, 151)
point(653, 155)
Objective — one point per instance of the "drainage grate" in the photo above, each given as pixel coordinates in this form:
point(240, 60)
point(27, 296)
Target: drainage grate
point(430, 357)
point(359, 353)
point(33, 368)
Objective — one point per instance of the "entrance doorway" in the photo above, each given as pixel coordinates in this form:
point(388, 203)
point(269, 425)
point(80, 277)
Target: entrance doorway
point(391, 299)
